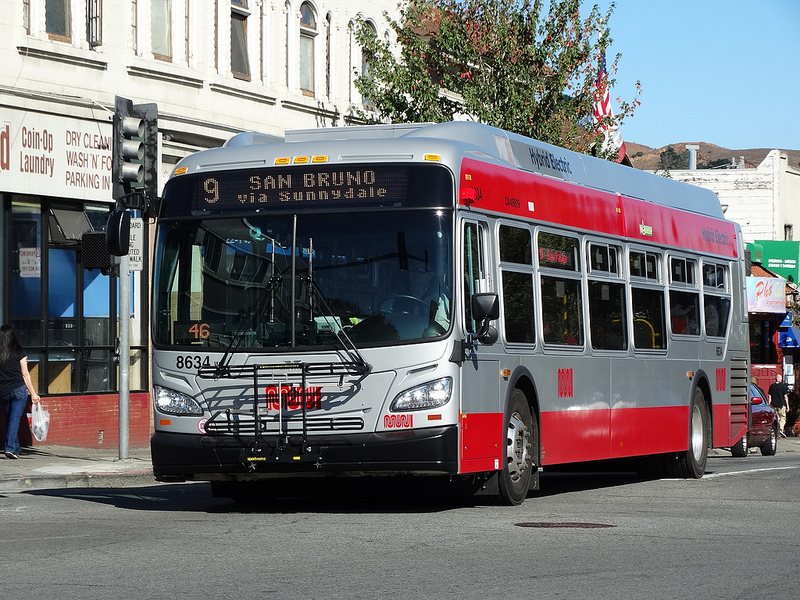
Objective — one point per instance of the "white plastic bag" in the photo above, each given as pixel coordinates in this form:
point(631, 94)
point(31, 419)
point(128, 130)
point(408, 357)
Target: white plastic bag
point(40, 421)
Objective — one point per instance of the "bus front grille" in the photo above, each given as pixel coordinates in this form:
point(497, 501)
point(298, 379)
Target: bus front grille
point(242, 424)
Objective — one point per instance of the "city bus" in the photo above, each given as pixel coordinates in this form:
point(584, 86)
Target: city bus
point(445, 301)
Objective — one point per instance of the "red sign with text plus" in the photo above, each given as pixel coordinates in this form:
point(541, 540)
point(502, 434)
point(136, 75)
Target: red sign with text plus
point(290, 397)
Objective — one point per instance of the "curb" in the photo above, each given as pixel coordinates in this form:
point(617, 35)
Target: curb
point(140, 478)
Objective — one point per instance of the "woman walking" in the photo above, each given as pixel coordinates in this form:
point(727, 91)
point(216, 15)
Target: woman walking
point(15, 384)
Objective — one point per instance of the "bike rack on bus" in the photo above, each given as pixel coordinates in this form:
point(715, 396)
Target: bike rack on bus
point(282, 450)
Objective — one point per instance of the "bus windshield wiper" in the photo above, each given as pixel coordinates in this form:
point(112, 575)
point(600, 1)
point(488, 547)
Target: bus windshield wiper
point(356, 360)
point(256, 312)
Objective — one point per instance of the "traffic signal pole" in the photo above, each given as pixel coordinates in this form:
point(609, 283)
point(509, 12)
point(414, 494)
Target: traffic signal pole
point(135, 186)
point(124, 355)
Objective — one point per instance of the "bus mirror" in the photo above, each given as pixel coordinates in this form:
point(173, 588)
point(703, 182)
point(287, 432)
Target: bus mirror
point(118, 232)
point(486, 308)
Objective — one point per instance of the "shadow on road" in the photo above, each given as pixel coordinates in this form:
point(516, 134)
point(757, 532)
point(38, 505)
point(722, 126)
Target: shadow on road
point(346, 496)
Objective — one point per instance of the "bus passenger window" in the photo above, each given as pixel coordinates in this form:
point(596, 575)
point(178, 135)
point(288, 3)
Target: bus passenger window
point(603, 259)
point(682, 271)
point(714, 276)
point(648, 319)
point(684, 300)
point(607, 318)
point(518, 307)
point(515, 245)
point(645, 265)
point(558, 252)
point(716, 311)
point(716, 308)
point(562, 311)
point(684, 313)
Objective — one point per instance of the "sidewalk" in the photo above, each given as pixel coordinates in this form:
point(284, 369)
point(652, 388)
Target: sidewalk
point(48, 467)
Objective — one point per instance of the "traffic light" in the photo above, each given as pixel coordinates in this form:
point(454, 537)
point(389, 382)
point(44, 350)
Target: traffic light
point(135, 153)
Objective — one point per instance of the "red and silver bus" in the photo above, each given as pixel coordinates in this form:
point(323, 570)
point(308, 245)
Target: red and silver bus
point(438, 300)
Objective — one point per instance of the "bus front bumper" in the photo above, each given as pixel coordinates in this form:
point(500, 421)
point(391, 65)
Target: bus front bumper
point(179, 456)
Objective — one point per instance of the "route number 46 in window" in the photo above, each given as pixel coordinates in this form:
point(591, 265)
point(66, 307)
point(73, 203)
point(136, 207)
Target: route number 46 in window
point(200, 331)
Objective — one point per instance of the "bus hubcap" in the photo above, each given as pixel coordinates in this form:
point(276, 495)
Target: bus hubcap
point(519, 447)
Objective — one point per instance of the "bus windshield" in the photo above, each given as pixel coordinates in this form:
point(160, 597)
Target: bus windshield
point(293, 279)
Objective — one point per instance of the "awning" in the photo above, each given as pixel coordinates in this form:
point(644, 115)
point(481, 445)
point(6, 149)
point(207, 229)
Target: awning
point(789, 338)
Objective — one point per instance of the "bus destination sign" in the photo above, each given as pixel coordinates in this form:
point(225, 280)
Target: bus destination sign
point(254, 188)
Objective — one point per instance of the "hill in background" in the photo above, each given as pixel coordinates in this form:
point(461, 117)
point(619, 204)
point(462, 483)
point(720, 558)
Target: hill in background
point(648, 159)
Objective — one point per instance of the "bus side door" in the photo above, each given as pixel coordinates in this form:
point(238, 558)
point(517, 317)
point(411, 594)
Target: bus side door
point(481, 415)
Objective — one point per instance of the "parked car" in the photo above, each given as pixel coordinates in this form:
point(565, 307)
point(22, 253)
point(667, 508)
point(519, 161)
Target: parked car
point(763, 431)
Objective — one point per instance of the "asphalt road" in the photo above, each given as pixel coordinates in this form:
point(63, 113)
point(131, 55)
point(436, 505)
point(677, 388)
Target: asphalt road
point(732, 534)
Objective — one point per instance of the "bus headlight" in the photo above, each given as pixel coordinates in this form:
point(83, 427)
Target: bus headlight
point(428, 395)
point(174, 403)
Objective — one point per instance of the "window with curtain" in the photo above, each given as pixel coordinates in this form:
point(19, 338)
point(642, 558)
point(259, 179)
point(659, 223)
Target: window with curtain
point(365, 100)
point(161, 29)
point(57, 19)
point(240, 63)
point(308, 33)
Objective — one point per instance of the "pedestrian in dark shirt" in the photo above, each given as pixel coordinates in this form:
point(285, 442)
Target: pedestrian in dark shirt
point(15, 384)
point(779, 400)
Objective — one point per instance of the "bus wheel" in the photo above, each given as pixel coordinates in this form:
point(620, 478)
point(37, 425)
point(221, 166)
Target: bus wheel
point(521, 447)
point(692, 463)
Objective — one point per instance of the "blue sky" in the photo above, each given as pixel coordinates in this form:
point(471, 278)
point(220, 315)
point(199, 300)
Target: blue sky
point(723, 72)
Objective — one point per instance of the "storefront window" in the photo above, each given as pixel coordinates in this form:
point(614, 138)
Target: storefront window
point(762, 345)
point(65, 314)
point(97, 332)
point(25, 300)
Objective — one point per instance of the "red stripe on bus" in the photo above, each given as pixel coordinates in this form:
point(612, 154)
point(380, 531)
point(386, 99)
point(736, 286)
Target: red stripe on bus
point(548, 200)
point(583, 435)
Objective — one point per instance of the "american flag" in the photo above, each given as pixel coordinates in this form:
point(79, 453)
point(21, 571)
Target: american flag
point(612, 138)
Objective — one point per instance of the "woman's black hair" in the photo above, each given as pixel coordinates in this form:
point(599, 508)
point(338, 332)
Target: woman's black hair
point(9, 344)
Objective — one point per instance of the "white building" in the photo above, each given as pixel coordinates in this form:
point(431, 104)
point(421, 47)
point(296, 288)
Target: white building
point(214, 68)
point(765, 201)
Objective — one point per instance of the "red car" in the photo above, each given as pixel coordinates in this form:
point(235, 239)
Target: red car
point(763, 426)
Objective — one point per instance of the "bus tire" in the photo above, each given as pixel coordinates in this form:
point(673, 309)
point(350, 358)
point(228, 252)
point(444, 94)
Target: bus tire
point(691, 464)
point(521, 441)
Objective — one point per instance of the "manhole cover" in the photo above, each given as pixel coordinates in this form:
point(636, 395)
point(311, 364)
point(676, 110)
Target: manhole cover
point(547, 525)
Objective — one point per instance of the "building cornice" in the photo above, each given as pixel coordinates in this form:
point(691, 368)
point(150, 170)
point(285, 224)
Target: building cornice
point(65, 54)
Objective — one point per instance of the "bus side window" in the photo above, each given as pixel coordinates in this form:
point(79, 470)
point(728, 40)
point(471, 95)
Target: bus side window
point(684, 311)
point(607, 316)
point(648, 319)
point(562, 304)
point(516, 270)
point(684, 299)
point(562, 311)
point(608, 319)
point(716, 307)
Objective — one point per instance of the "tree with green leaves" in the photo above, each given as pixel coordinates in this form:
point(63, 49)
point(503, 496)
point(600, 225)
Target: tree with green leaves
point(670, 160)
point(507, 64)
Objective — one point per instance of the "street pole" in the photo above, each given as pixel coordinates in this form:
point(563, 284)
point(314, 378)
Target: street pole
point(124, 354)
